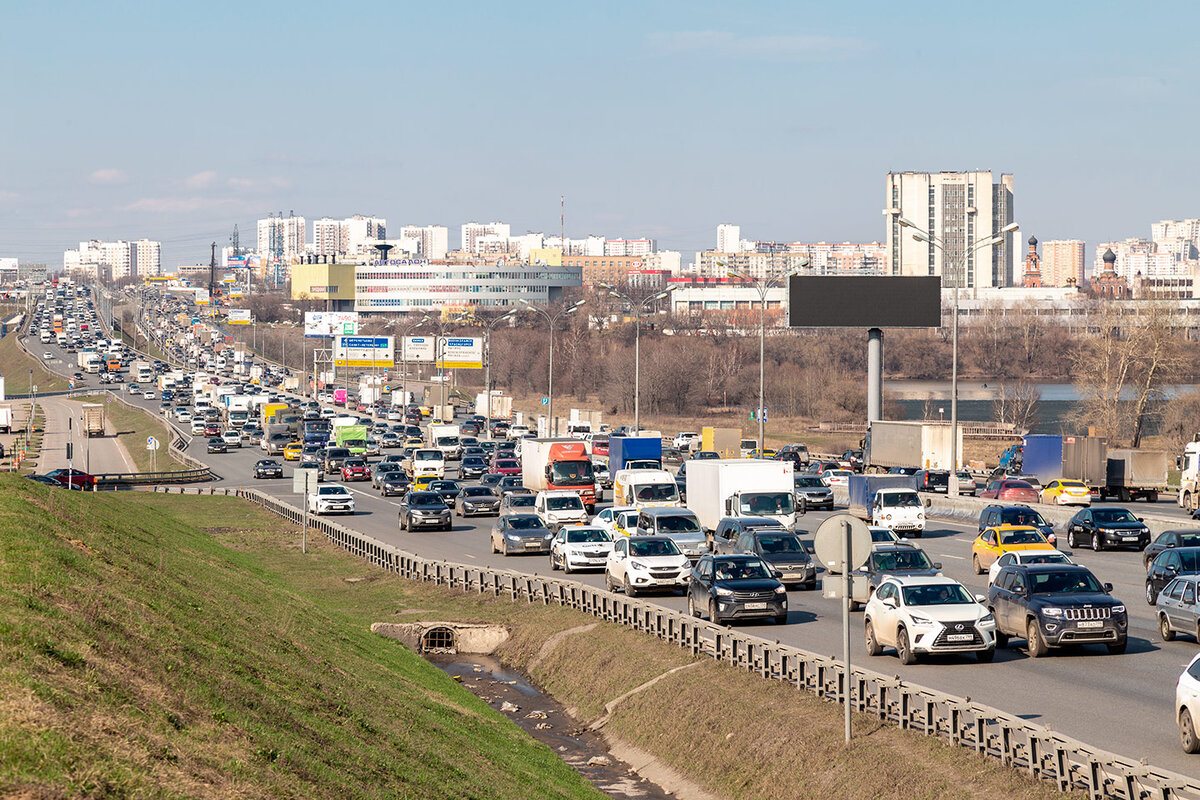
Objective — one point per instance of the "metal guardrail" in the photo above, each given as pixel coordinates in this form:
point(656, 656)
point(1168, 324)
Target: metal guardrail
point(1042, 753)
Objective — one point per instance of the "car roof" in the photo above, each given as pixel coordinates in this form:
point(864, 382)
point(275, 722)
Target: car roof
point(737, 557)
point(1049, 567)
point(649, 538)
point(921, 580)
point(667, 511)
point(887, 547)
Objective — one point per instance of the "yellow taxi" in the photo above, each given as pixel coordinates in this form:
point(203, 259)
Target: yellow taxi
point(414, 441)
point(291, 452)
point(995, 542)
point(1067, 493)
point(421, 482)
point(426, 411)
point(768, 452)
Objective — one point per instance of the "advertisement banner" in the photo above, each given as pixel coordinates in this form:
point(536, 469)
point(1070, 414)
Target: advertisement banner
point(419, 349)
point(363, 351)
point(460, 352)
point(330, 323)
point(235, 294)
point(201, 295)
point(238, 316)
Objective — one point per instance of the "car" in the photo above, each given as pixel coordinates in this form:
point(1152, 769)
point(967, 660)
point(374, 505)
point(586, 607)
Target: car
point(811, 492)
point(292, 451)
point(72, 478)
point(314, 466)
point(1056, 605)
point(640, 563)
point(559, 507)
point(391, 483)
point(46, 356)
point(472, 466)
point(217, 445)
point(1187, 705)
point(854, 458)
point(511, 483)
point(45, 480)
point(927, 616)
point(730, 587)
point(1168, 565)
point(506, 466)
point(520, 533)
point(995, 515)
point(617, 520)
point(932, 480)
point(381, 468)
point(995, 542)
point(836, 477)
point(888, 560)
point(784, 552)
point(355, 469)
point(1106, 526)
point(147, 395)
point(1011, 490)
point(1183, 537)
point(1066, 493)
point(268, 468)
point(447, 489)
point(966, 483)
point(1026, 557)
point(331, 499)
point(903, 471)
point(423, 509)
point(133, 388)
point(232, 438)
point(685, 440)
point(334, 457)
point(1177, 610)
point(729, 528)
point(580, 547)
point(475, 500)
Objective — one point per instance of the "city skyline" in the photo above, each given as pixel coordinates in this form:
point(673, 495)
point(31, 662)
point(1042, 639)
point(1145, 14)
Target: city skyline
point(803, 163)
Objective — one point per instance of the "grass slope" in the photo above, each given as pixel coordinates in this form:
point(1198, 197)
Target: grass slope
point(15, 365)
point(141, 656)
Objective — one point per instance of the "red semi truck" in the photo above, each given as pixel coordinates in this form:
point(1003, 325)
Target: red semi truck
point(548, 464)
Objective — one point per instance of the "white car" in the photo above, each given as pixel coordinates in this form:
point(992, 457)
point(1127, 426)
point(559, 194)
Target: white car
point(617, 520)
point(1027, 557)
point(232, 438)
point(147, 395)
point(1187, 705)
point(559, 507)
point(517, 431)
point(684, 440)
point(580, 547)
point(836, 477)
point(928, 616)
point(183, 415)
point(331, 499)
point(639, 563)
point(46, 356)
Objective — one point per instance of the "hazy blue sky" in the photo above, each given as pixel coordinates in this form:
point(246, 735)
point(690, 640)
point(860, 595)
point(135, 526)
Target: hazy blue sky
point(176, 120)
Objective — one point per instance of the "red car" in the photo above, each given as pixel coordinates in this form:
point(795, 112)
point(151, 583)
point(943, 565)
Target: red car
point(72, 479)
point(1012, 490)
point(506, 466)
point(355, 469)
point(599, 447)
point(212, 429)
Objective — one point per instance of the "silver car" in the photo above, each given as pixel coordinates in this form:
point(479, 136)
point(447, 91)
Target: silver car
point(1177, 609)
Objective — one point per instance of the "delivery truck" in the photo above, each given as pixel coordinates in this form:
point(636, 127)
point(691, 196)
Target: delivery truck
point(725, 442)
point(925, 445)
point(93, 419)
point(645, 488)
point(6, 418)
point(1076, 458)
point(446, 438)
point(549, 464)
point(741, 487)
point(1134, 475)
point(501, 405)
point(634, 452)
point(886, 501)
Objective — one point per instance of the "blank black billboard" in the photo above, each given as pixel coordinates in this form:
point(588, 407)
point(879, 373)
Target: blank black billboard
point(865, 302)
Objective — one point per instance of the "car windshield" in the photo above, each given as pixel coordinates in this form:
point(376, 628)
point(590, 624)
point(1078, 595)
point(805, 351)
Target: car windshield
point(521, 500)
point(427, 455)
point(678, 523)
point(572, 473)
point(524, 523)
point(883, 535)
point(425, 499)
point(1107, 516)
point(1049, 557)
point(449, 486)
point(653, 547)
point(1021, 537)
point(582, 535)
point(1059, 582)
point(941, 594)
point(808, 482)
point(478, 491)
point(768, 503)
point(654, 492)
point(901, 560)
point(1022, 516)
point(572, 503)
point(507, 463)
point(775, 544)
point(747, 569)
point(338, 490)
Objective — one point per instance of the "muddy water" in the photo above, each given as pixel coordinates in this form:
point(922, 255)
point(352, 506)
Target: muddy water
point(546, 720)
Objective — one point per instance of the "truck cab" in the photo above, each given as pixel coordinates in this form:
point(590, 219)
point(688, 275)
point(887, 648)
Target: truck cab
point(777, 506)
point(645, 488)
point(898, 510)
point(1189, 476)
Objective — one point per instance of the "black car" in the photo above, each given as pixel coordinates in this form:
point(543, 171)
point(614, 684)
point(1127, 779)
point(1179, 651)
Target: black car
point(730, 528)
point(903, 471)
point(854, 458)
point(447, 489)
point(994, 516)
point(1054, 605)
point(811, 492)
point(1168, 565)
point(903, 560)
point(217, 445)
point(472, 467)
point(1186, 537)
point(784, 552)
point(473, 500)
point(491, 479)
point(1104, 527)
point(392, 483)
point(736, 587)
point(932, 480)
point(268, 468)
point(424, 510)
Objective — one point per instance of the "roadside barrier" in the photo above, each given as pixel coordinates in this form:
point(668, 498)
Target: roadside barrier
point(1035, 749)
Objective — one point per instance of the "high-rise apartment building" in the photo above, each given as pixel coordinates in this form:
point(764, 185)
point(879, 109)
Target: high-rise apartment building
point(729, 238)
point(629, 247)
point(474, 230)
point(121, 259)
point(285, 236)
point(433, 240)
point(145, 258)
point(959, 208)
point(353, 235)
point(1063, 262)
point(327, 237)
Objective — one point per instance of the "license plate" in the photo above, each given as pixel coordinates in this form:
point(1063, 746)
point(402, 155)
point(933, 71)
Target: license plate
point(533, 544)
point(1129, 538)
point(959, 637)
point(1090, 624)
point(756, 606)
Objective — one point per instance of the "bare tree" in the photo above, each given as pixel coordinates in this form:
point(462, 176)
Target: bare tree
point(1017, 404)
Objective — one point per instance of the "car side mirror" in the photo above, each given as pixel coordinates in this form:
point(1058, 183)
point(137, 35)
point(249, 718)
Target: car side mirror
point(1139, 519)
point(980, 598)
point(890, 602)
point(1018, 588)
point(927, 502)
point(777, 574)
point(1108, 587)
point(863, 569)
point(808, 548)
point(937, 565)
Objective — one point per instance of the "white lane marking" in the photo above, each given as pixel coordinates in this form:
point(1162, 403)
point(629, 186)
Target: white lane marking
point(468, 555)
point(960, 558)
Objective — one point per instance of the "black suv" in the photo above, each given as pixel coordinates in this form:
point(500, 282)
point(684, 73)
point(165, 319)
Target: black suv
point(736, 587)
point(1167, 566)
point(784, 552)
point(1054, 605)
point(996, 515)
point(1107, 527)
point(730, 528)
point(903, 560)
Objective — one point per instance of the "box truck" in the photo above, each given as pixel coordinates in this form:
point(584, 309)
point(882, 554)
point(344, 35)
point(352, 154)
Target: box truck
point(446, 438)
point(925, 445)
point(501, 405)
point(1135, 475)
point(741, 487)
point(645, 488)
point(549, 464)
point(887, 501)
point(633, 452)
point(93, 419)
point(726, 442)
point(1077, 458)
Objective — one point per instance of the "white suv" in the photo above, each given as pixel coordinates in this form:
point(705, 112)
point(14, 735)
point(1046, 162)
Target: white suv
point(638, 563)
point(560, 507)
point(926, 616)
point(1187, 706)
point(331, 500)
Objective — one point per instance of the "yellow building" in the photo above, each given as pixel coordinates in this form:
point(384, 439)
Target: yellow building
point(323, 282)
point(548, 256)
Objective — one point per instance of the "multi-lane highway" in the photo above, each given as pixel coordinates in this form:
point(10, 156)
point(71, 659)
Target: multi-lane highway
point(1119, 703)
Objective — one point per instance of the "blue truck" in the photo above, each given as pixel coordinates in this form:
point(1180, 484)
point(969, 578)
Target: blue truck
point(625, 449)
point(1080, 458)
point(887, 501)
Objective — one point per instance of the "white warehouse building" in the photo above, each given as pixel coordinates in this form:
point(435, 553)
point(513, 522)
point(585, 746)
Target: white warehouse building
point(419, 285)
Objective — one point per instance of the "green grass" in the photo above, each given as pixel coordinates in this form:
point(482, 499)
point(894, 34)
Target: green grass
point(141, 656)
point(133, 426)
point(15, 365)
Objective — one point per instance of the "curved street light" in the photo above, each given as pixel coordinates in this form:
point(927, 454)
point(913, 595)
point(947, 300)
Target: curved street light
point(639, 307)
point(551, 320)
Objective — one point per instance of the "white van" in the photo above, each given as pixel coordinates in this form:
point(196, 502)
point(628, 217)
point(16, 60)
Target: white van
point(645, 488)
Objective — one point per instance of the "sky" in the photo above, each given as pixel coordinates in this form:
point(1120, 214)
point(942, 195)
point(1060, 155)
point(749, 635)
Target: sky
point(176, 121)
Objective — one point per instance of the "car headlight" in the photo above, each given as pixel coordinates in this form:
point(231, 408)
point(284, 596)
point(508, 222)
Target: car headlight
point(637, 565)
point(1120, 609)
point(920, 515)
point(724, 592)
point(548, 535)
point(780, 590)
point(919, 620)
point(1052, 612)
point(512, 538)
point(986, 619)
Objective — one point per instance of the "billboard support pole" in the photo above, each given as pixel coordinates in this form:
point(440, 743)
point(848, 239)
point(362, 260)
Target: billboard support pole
point(874, 375)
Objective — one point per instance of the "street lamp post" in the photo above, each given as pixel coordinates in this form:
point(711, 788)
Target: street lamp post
point(638, 308)
point(958, 262)
point(551, 320)
point(404, 332)
point(487, 366)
